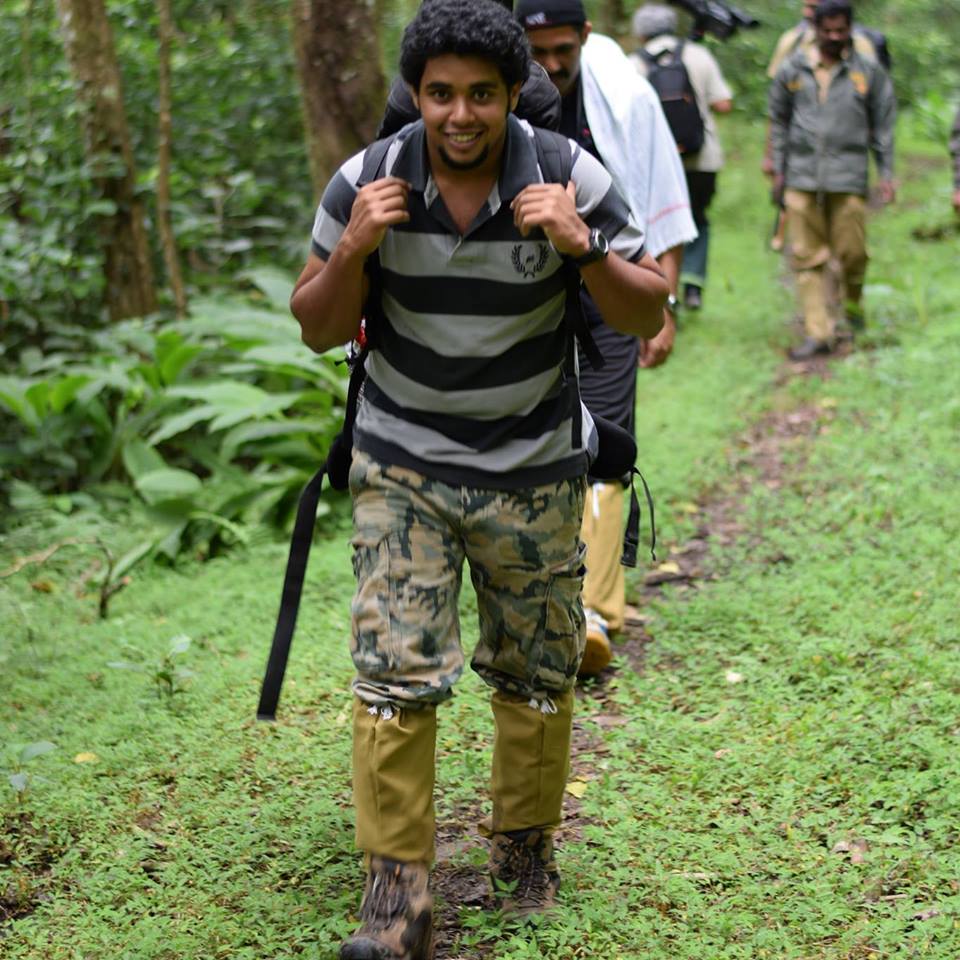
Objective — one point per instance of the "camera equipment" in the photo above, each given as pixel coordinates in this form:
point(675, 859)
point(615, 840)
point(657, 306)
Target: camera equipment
point(721, 19)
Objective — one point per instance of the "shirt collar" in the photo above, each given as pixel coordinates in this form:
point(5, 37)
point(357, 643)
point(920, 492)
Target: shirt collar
point(813, 57)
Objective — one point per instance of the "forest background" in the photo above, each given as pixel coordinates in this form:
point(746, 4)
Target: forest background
point(164, 157)
point(770, 769)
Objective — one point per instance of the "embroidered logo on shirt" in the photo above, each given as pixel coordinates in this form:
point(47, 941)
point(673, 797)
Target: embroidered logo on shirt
point(531, 264)
point(859, 82)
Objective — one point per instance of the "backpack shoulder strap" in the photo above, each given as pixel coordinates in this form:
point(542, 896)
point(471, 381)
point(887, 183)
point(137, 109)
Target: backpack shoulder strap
point(374, 168)
point(374, 160)
point(556, 163)
point(554, 155)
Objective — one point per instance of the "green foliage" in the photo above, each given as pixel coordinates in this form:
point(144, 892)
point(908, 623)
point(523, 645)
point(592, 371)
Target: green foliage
point(17, 757)
point(776, 781)
point(167, 677)
point(241, 190)
point(213, 424)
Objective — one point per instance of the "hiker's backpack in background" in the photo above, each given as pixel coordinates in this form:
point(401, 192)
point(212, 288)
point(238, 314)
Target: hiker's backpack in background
point(669, 77)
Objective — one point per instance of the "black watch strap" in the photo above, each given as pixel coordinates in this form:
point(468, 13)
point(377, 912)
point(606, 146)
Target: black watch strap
point(599, 248)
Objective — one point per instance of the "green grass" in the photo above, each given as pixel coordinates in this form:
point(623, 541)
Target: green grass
point(809, 810)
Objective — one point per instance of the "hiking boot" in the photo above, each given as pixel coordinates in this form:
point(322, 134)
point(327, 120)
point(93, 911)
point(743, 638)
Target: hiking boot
point(525, 877)
point(396, 914)
point(692, 297)
point(597, 653)
point(809, 349)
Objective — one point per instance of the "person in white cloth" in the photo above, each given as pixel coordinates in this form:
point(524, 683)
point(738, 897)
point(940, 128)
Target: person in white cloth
point(612, 112)
point(655, 26)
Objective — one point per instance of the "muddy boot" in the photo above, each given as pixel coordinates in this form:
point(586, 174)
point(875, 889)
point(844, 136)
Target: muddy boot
point(396, 914)
point(525, 877)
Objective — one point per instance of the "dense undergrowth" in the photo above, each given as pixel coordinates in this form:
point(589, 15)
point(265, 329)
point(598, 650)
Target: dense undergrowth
point(779, 781)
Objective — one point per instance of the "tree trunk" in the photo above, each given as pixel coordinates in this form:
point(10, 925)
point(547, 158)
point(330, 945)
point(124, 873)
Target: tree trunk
point(341, 81)
point(165, 137)
point(88, 41)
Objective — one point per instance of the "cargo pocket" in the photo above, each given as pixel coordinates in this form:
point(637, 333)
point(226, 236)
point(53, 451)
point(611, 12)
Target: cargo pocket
point(377, 629)
point(559, 643)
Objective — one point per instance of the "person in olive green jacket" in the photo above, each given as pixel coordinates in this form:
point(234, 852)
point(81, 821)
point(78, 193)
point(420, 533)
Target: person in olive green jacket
point(955, 153)
point(830, 107)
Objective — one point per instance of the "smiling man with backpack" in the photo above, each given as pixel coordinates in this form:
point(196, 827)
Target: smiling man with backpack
point(470, 442)
point(692, 89)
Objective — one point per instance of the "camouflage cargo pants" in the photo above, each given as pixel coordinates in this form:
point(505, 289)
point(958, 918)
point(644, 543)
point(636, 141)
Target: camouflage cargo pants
point(412, 535)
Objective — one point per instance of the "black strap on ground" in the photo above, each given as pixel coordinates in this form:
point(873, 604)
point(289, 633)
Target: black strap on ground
point(631, 538)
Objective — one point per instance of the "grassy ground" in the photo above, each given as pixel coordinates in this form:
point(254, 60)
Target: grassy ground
point(778, 780)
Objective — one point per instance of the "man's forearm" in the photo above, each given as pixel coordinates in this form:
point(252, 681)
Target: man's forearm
point(670, 262)
point(328, 299)
point(630, 296)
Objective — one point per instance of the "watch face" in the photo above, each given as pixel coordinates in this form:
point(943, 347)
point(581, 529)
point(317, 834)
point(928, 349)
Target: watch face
point(600, 242)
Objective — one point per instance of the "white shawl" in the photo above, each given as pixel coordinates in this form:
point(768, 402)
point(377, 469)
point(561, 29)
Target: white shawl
point(632, 135)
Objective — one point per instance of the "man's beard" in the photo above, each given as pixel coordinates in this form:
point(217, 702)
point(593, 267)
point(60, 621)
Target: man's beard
point(478, 161)
point(833, 48)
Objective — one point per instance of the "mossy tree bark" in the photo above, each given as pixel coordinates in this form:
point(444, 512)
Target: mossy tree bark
point(168, 240)
point(88, 40)
point(343, 89)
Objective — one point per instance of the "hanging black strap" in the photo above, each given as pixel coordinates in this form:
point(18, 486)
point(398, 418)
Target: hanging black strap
point(337, 469)
point(290, 598)
point(631, 538)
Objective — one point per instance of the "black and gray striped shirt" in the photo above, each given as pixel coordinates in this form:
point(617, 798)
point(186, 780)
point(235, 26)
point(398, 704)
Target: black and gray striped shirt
point(468, 384)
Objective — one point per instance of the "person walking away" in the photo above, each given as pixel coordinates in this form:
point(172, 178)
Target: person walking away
point(655, 26)
point(829, 108)
point(615, 115)
point(470, 441)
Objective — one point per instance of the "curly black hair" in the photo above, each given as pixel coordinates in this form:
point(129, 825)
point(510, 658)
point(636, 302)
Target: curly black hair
point(833, 8)
point(470, 28)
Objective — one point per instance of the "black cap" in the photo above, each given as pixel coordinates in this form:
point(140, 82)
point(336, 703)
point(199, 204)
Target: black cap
point(534, 14)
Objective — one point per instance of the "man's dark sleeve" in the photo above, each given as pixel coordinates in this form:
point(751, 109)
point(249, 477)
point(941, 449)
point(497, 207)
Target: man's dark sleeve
point(883, 114)
point(955, 150)
point(780, 101)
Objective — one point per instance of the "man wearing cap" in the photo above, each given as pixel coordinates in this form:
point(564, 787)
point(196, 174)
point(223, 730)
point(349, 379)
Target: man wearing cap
point(613, 113)
point(655, 26)
point(829, 109)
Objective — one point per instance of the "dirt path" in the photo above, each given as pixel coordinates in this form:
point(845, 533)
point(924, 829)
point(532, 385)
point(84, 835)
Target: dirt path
point(766, 453)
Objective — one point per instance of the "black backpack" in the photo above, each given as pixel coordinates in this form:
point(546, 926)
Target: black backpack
point(617, 448)
point(669, 77)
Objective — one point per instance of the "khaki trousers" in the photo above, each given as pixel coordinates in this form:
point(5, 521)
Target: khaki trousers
point(393, 771)
point(603, 585)
point(821, 226)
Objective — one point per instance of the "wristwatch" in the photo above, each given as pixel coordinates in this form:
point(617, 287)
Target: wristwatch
point(673, 305)
point(598, 249)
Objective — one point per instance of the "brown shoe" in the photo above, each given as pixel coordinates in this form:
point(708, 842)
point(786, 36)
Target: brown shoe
point(597, 653)
point(396, 914)
point(809, 349)
point(524, 874)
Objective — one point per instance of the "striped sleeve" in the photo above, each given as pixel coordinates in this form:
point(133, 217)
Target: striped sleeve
point(600, 205)
point(333, 214)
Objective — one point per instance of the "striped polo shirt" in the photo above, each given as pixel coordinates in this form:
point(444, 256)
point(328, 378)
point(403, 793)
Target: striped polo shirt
point(471, 382)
